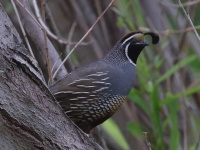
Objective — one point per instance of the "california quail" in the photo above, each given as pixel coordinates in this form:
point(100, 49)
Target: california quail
point(91, 94)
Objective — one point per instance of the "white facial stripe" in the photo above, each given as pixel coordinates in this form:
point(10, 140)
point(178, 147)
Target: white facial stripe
point(130, 38)
point(126, 52)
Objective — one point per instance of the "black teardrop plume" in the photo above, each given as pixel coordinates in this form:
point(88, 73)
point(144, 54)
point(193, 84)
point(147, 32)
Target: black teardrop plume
point(154, 36)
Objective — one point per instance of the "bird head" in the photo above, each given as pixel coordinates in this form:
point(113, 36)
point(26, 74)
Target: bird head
point(134, 42)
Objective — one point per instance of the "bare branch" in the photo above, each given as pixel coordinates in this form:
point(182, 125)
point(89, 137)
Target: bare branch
point(43, 2)
point(22, 28)
point(70, 36)
point(60, 40)
point(146, 140)
point(34, 30)
point(29, 13)
point(191, 23)
point(84, 37)
point(190, 3)
point(169, 31)
point(68, 46)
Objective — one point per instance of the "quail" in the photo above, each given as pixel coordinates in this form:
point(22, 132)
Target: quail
point(92, 94)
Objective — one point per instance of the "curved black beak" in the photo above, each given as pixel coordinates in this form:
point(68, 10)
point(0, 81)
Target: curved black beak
point(144, 42)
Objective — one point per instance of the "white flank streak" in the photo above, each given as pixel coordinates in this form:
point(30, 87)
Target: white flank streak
point(81, 92)
point(93, 95)
point(86, 86)
point(78, 81)
point(97, 74)
point(90, 99)
point(73, 99)
point(85, 102)
point(72, 107)
point(98, 82)
point(63, 92)
point(103, 88)
point(81, 97)
point(126, 51)
point(107, 84)
point(105, 79)
point(71, 92)
point(79, 105)
point(68, 111)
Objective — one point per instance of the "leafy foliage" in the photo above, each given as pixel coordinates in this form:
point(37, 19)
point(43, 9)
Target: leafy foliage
point(157, 95)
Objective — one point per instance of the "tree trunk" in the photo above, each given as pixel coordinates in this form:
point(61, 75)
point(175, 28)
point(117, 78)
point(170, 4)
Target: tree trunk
point(29, 116)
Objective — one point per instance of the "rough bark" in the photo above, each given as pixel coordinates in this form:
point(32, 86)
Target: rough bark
point(29, 117)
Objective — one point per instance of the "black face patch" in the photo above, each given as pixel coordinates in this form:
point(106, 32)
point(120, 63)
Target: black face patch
point(134, 51)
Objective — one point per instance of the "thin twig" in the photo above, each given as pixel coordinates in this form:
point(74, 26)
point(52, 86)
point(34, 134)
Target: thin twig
point(43, 2)
point(184, 4)
point(146, 140)
point(191, 23)
point(29, 13)
point(68, 47)
point(169, 31)
point(69, 39)
point(62, 41)
point(22, 28)
point(32, 27)
point(52, 21)
point(70, 36)
point(59, 57)
point(83, 37)
point(180, 31)
point(195, 83)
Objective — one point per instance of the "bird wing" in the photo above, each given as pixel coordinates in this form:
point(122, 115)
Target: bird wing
point(85, 94)
point(82, 85)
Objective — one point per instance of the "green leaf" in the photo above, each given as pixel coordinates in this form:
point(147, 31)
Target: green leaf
point(171, 97)
point(176, 67)
point(158, 62)
point(135, 129)
point(156, 118)
point(113, 130)
point(193, 147)
point(189, 91)
point(174, 130)
point(138, 10)
point(137, 99)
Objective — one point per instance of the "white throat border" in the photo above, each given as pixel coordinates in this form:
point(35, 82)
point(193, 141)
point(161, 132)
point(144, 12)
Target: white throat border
point(126, 52)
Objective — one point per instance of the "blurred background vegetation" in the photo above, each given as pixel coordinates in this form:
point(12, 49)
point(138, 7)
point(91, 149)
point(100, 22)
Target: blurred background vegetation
point(163, 108)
